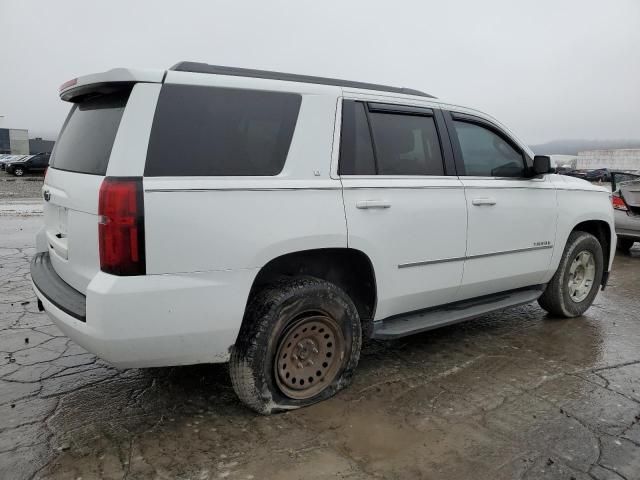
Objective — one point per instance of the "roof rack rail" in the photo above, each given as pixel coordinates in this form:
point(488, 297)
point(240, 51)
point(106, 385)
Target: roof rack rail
point(197, 67)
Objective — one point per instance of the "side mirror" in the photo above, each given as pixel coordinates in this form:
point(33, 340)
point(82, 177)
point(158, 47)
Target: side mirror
point(542, 165)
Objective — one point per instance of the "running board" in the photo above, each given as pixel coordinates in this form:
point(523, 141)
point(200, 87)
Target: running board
point(421, 321)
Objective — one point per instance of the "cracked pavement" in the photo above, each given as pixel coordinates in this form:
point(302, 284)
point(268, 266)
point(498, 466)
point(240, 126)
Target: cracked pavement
point(511, 395)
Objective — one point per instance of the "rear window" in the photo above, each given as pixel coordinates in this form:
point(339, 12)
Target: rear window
point(87, 136)
point(210, 131)
point(406, 144)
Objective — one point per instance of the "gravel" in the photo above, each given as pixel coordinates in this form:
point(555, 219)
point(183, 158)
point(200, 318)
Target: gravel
point(12, 187)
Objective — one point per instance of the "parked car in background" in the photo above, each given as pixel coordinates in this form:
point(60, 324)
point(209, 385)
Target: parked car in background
point(626, 205)
point(575, 173)
point(563, 170)
point(7, 158)
point(31, 163)
point(598, 175)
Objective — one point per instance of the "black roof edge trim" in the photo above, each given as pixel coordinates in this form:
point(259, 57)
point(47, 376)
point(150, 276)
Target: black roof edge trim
point(197, 67)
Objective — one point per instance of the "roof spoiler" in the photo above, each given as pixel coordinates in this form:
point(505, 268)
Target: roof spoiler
point(106, 82)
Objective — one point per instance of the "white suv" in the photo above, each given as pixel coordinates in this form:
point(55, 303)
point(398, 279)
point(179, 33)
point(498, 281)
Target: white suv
point(212, 214)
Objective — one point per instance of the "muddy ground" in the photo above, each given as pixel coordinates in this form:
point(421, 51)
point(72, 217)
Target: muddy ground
point(511, 395)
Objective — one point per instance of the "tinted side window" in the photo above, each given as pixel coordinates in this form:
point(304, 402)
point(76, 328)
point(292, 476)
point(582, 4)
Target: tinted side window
point(406, 144)
point(356, 150)
point(204, 131)
point(40, 160)
point(487, 154)
point(87, 137)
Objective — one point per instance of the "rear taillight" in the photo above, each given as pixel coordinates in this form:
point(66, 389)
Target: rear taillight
point(618, 203)
point(121, 226)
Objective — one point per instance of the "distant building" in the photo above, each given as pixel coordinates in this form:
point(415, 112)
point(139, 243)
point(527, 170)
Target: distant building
point(14, 141)
point(38, 145)
point(618, 159)
point(566, 161)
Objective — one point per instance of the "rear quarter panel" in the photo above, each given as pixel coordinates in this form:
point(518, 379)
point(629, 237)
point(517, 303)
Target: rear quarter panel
point(220, 228)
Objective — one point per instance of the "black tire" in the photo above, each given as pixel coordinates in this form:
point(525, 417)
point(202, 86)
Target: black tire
point(625, 244)
point(18, 171)
point(270, 316)
point(556, 299)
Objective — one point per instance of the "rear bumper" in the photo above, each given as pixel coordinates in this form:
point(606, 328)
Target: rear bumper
point(57, 292)
point(152, 320)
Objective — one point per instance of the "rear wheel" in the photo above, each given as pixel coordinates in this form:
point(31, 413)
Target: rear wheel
point(299, 344)
point(575, 284)
point(625, 244)
point(18, 171)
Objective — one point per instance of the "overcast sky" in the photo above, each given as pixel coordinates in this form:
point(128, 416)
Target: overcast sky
point(549, 69)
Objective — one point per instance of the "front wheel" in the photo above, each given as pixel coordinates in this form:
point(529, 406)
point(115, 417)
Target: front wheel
point(18, 171)
point(575, 284)
point(299, 344)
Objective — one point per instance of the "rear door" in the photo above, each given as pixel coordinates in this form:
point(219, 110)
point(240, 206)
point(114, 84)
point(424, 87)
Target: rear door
point(39, 162)
point(405, 209)
point(512, 217)
point(100, 126)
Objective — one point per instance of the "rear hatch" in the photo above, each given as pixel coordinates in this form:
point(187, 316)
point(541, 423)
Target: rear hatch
point(630, 191)
point(76, 169)
point(628, 186)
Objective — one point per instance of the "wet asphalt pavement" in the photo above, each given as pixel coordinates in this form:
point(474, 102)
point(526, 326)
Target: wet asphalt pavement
point(511, 395)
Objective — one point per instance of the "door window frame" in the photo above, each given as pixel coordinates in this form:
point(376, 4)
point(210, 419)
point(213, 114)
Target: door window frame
point(377, 106)
point(452, 116)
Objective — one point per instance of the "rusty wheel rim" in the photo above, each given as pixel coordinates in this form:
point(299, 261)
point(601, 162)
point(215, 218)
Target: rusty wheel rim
point(309, 356)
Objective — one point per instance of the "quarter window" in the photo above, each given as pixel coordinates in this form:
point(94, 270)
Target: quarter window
point(487, 154)
point(211, 131)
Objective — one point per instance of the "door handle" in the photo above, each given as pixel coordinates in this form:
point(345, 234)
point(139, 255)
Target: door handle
point(483, 201)
point(373, 204)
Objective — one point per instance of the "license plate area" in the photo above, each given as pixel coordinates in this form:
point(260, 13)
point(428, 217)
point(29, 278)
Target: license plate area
point(57, 230)
point(62, 216)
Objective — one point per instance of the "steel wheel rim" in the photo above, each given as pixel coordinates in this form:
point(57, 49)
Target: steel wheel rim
point(582, 274)
point(18, 172)
point(309, 356)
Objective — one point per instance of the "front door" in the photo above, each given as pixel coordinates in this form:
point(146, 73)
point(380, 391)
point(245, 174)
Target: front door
point(402, 208)
point(512, 216)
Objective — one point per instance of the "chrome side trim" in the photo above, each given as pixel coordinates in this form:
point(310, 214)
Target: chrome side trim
point(471, 257)
point(431, 262)
point(404, 187)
